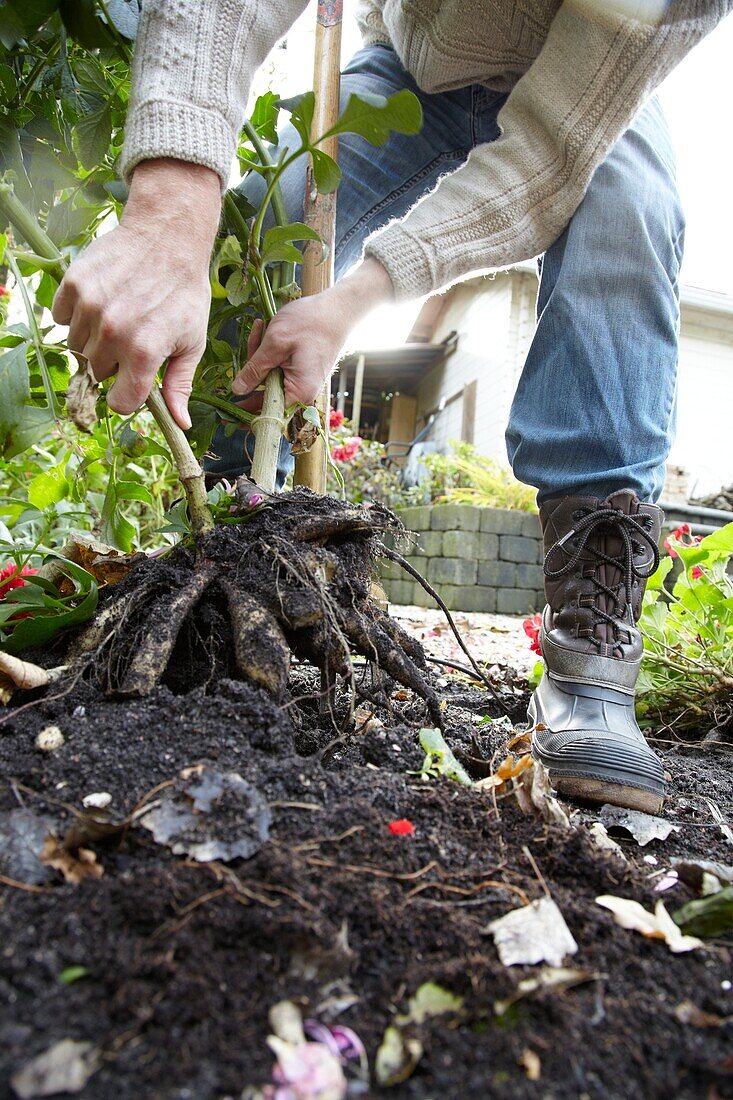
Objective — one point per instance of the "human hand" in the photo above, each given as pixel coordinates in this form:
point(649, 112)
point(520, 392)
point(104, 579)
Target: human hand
point(306, 337)
point(140, 294)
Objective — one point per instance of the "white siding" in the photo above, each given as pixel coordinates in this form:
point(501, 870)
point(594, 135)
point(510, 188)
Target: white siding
point(704, 444)
point(494, 318)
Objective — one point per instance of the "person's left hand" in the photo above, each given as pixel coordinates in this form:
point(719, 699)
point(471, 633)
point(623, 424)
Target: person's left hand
point(306, 336)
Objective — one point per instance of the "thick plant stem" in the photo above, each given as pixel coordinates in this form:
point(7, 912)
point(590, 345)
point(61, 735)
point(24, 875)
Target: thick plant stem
point(189, 470)
point(26, 225)
point(268, 429)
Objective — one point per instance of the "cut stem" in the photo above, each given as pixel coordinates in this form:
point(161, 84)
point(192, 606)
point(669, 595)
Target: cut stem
point(268, 429)
point(189, 470)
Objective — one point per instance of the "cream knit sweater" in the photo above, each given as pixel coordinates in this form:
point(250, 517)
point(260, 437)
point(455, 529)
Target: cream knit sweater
point(577, 72)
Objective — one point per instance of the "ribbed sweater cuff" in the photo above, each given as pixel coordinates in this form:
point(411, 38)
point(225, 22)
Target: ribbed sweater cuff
point(170, 128)
point(406, 260)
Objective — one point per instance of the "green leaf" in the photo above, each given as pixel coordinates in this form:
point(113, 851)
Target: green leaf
point(656, 581)
point(301, 109)
point(264, 116)
point(71, 974)
point(92, 136)
point(8, 84)
point(430, 999)
point(69, 222)
point(237, 288)
point(133, 490)
point(81, 20)
point(46, 292)
point(440, 758)
point(276, 243)
point(21, 424)
point(326, 172)
point(20, 18)
point(114, 529)
point(47, 488)
point(55, 615)
point(709, 916)
point(376, 117)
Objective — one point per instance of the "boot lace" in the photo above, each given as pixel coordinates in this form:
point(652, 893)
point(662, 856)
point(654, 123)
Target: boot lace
point(634, 536)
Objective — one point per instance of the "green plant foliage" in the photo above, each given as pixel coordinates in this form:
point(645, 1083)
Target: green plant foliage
point(35, 613)
point(686, 675)
point(440, 759)
point(467, 477)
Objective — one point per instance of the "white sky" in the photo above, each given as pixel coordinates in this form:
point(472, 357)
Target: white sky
point(697, 99)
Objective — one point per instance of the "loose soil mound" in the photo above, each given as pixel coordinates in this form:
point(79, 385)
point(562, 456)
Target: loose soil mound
point(183, 960)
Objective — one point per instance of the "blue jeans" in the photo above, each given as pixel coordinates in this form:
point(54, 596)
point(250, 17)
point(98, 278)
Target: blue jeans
point(595, 407)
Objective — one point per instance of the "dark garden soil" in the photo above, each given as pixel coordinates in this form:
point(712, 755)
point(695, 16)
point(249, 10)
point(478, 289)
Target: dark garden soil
point(184, 959)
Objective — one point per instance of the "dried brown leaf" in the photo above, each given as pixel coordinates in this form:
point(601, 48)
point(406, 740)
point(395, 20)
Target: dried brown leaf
point(82, 395)
point(74, 866)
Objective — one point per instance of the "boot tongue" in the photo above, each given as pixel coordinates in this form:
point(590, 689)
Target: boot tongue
point(608, 541)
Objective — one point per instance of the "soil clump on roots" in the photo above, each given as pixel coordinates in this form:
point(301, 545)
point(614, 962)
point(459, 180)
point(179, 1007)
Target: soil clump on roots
point(184, 945)
point(294, 579)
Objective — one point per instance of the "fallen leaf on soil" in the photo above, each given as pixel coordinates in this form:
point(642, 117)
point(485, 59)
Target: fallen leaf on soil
point(642, 827)
point(509, 768)
point(106, 564)
point(396, 1058)
point(22, 834)
point(430, 999)
point(82, 394)
point(656, 926)
point(530, 1063)
point(534, 795)
point(709, 916)
point(693, 871)
point(688, 1013)
point(64, 1067)
point(74, 866)
point(440, 759)
point(521, 743)
point(210, 815)
point(557, 978)
point(599, 836)
point(532, 934)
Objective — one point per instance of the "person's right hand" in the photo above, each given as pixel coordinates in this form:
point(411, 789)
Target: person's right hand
point(140, 294)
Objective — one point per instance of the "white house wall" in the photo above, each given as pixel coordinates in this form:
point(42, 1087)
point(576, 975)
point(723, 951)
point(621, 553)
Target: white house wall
point(494, 318)
point(480, 311)
point(704, 444)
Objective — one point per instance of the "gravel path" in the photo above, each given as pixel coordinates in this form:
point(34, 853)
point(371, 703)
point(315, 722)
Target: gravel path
point(498, 639)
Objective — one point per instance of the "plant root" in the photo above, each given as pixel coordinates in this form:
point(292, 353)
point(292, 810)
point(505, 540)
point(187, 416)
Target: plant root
point(295, 576)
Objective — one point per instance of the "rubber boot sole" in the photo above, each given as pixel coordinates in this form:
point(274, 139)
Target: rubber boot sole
point(593, 762)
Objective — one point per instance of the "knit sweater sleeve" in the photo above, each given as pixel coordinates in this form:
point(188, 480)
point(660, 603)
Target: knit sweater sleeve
point(193, 64)
point(512, 198)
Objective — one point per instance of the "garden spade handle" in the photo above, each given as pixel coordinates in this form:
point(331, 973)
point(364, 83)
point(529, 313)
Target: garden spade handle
point(320, 210)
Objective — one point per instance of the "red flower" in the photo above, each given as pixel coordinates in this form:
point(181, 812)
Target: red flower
point(347, 450)
point(696, 572)
point(532, 630)
point(11, 578)
point(4, 291)
point(402, 827)
point(678, 535)
point(335, 419)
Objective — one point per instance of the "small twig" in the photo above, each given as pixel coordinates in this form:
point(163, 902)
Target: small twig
point(26, 886)
point(316, 842)
point(295, 806)
point(535, 868)
point(392, 555)
point(359, 869)
point(467, 893)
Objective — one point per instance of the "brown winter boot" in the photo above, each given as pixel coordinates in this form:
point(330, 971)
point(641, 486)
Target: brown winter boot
point(598, 557)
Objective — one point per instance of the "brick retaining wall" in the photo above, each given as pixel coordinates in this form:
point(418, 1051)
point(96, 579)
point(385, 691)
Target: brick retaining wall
point(478, 559)
point(489, 559)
